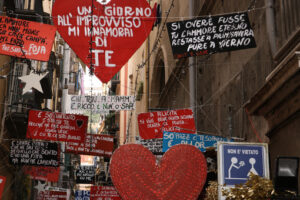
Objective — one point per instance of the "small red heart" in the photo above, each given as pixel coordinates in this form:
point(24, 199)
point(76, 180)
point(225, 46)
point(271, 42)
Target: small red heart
point(120, 28)
point(180, 175)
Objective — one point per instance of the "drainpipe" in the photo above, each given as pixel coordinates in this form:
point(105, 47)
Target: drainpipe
point(270, 21)
point(192, 71)
point(1, 5)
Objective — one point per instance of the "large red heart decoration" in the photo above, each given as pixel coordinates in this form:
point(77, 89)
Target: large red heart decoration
point(119, 29)
point(181, 173)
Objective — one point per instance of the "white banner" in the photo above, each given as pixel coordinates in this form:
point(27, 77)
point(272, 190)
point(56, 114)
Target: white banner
point(101, 103)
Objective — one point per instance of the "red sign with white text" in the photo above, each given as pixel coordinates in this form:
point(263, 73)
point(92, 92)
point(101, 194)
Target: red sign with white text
point(153, 124)
point(2, 183)
point(26, 39)
point(44, 125)
point(104, 192)
point(119, 29)
point(52, 195)
point(50, 174)
point(97, 145)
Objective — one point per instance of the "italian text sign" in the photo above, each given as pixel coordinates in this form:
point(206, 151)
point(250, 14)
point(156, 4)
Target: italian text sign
point(119, 28)
point(152, 125)
point(53, 195)
point(26, 39)
point(34, 153)
point(207, 35)
point(199, 141)
point(236, 161)
point(85, 175)
point(97, 145)
point(102, 103)
point(154, 145)
point(104, 192)
point(50, 174)
point(44, 125)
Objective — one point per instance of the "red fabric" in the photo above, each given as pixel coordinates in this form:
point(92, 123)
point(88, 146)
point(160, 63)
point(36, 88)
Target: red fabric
point(181, 173)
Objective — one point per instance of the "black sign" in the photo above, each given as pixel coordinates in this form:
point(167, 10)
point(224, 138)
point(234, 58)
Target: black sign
point(207, 35)
point(85, 175)
point(154, 145)
point(34, 153)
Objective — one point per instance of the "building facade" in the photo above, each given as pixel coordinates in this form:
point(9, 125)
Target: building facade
point(248, 95)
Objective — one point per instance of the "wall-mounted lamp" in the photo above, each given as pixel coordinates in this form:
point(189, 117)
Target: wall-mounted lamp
point(287, 174)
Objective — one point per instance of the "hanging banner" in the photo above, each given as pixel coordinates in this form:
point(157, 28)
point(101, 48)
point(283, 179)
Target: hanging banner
point(50, 174)
point(24, 152)
point(211, 34)
point(82, 195)
point(202, 142)
point(101, 103)
point(237, 160)
point(44, 125)
point(85, 175)
point(95, 144)
point(154, 145)
point(119, 28)
point(26, 39)
point(53, 195)
point(152, 125)
point(2, 184)
point(104, 192)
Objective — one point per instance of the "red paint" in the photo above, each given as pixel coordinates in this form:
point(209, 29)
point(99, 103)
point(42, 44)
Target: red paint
point(2, 183)
point(97, 145)
point(70, 128)
point(152, 125)
point(50, 174)
point(120, 29)
point(181, 173)
point(35, 38)
point(104, 192)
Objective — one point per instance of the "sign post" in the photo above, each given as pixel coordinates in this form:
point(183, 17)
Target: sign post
point(236, 161)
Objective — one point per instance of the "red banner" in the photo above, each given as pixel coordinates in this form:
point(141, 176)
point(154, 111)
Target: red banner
point(50, 174)
point(152, 125)
point(53, 195)
point(104, 192)
point(96, 145)
point(26, 39)
point(44, 125)
point(119, 29)
point(2, 183)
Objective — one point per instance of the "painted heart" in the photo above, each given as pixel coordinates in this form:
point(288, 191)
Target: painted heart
point(79, 123)
point(119, 29)
point(181, 173)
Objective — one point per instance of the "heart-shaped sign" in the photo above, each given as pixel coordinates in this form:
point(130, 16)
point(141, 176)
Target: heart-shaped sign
point(181, 173)
point(79, 123)
point(115, 29)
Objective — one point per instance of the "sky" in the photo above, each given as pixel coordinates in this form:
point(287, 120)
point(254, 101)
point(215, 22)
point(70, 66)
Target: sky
point(89, 82)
